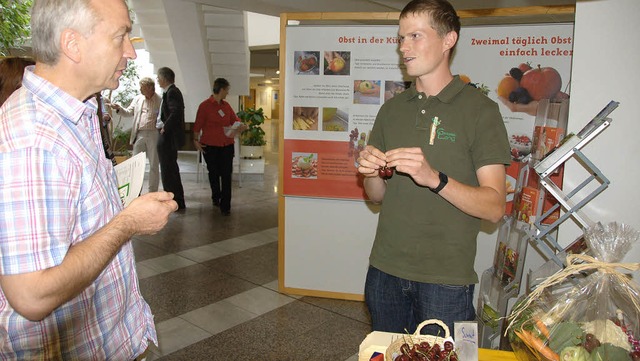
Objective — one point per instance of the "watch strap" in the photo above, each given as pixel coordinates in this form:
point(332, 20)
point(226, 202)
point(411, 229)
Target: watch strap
point(443, 182)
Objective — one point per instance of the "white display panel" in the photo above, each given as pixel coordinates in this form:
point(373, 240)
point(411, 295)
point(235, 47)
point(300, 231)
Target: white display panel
point(328, 243)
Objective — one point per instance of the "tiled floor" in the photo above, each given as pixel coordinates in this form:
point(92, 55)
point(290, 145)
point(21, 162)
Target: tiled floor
point(212, 283)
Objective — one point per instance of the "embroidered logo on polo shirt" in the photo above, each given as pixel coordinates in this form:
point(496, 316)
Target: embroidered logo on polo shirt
point(444, 135)
point(439, 132)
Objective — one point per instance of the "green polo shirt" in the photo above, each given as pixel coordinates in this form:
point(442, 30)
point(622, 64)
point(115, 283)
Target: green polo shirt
point(420, 236)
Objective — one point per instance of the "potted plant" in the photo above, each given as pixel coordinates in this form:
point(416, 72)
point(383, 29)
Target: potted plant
point(124, 95)
point(120, 144)
point(252, 140)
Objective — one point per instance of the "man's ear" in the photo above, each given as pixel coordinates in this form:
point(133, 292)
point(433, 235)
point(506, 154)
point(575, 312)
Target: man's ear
point(450, 40)
point(70, 46)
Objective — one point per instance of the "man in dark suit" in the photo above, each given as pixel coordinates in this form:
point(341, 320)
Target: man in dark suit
point(171, 135)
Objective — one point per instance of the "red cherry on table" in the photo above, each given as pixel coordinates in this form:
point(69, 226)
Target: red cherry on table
point(448, 346)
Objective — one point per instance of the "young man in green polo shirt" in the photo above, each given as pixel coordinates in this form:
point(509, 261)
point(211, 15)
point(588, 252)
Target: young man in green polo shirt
point(448, 145)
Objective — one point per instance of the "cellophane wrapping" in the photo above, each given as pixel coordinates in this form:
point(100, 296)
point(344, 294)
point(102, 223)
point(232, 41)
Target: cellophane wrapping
point(588, 311)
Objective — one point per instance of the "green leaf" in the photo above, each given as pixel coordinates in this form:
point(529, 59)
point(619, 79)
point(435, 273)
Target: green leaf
point(565, 334)
point(254, 135)
point(308, 158)
point(129, 87)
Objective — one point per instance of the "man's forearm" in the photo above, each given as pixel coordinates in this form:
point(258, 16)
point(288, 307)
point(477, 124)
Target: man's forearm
point(35, 295)
point(481, 202)
point(375, 187)
point(128, 111)
point(486, 201)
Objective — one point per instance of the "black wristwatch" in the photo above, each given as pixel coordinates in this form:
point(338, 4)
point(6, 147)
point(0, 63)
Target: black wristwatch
point(443, 182)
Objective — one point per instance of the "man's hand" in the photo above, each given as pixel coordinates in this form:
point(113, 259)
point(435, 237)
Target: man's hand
point(412, 162)
point(370, 160)
point(149, 213)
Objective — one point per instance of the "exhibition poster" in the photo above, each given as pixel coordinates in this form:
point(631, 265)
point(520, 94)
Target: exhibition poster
point(338, 77)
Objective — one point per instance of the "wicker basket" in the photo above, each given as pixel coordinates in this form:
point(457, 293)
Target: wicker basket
point(394, 347)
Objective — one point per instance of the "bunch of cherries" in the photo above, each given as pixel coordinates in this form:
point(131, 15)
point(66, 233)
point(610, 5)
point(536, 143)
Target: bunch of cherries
point(423, 351)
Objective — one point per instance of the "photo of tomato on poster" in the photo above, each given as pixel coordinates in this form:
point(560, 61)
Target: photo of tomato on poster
point(306, 62)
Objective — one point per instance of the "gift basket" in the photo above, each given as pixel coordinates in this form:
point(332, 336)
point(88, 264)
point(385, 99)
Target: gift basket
point(423, 347)
point(588, 311)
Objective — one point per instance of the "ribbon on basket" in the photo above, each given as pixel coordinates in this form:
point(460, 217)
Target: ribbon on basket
point(579, 263)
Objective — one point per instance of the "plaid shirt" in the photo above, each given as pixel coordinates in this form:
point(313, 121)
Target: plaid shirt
point(57, 189)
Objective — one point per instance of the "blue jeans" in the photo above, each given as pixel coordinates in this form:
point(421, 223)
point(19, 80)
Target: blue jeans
point(399, 305)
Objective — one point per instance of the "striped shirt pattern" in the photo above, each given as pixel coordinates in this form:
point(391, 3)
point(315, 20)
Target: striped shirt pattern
point(57, 189)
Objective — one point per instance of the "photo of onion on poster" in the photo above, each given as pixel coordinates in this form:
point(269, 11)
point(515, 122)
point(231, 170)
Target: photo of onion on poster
point(338, 77)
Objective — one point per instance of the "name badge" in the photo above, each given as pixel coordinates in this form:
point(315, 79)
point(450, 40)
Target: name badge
point(221, 113)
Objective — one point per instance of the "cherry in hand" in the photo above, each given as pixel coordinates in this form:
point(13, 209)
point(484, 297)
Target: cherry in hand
point(385, 172)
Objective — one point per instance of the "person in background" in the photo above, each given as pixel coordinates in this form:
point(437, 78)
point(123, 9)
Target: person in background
point(11, 70)
point(105, 123)
point(214, 114)
point(144, 135)
point(449, 147)
point(68, 281)
point(171, 134)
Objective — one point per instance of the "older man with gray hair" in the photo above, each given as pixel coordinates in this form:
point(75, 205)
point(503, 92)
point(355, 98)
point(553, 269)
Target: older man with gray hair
point(144, 134)
point(68, 282)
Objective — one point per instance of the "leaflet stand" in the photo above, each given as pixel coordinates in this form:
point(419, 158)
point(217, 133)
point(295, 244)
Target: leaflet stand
point(496, 290)
point(571, 206)
point(541, 234)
